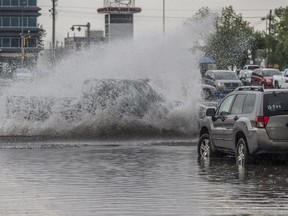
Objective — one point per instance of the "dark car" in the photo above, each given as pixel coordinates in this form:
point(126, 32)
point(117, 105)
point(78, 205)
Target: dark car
point(245, 77)
point(208, 92)
point(225, 81)
point(248, 122)
point(264, 77)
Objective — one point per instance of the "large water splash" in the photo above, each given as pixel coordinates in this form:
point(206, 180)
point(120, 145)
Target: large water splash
point(43, 107)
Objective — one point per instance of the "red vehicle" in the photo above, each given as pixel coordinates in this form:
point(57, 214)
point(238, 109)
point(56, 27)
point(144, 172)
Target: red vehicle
point(264, 77)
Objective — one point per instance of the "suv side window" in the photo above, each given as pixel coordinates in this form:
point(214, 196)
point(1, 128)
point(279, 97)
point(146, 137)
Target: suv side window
point(249, 104)
point(238, 104)
point(224, 108)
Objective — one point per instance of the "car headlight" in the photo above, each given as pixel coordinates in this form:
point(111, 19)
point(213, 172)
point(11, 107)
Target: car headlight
point(268, 80)
point(220, 84)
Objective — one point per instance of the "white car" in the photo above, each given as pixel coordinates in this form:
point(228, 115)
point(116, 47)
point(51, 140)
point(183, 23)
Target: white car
point(23, 74)
point(281, 81)
point(251, 67)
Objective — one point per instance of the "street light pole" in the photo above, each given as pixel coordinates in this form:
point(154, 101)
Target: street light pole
point(88, 30)
point(268, 20)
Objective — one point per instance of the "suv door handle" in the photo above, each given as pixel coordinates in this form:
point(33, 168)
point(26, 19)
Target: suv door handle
point(236, 118)
point(223, 118)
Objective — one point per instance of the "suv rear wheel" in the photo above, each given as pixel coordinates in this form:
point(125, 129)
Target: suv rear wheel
point(242, 154)
point(204, 147)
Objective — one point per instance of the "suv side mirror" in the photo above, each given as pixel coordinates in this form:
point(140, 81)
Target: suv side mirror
point(210, 112)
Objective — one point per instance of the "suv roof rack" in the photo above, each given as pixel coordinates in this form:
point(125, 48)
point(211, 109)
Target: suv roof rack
point(250, 88)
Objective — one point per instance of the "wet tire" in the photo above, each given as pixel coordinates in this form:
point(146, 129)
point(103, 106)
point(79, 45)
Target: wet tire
point(277, 85)
point(262, 85)
point(242, 154)
point(204, 147)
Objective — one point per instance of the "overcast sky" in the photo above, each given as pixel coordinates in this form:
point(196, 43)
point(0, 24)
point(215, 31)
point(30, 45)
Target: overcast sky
point(149, 21)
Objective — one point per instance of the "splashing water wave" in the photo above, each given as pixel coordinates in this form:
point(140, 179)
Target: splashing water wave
point(104, 91)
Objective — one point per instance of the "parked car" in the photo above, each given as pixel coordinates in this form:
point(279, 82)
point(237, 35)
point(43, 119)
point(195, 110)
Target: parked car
point(208, 92)
point(22, 74)
point(285, 82)
point(248, 122)
point(245, 77)
point(224, 81)
point(264, 77)
point(251, 67)
point(281, 80)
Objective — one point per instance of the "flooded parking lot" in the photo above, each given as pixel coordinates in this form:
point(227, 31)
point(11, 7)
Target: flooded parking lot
point(136, 178)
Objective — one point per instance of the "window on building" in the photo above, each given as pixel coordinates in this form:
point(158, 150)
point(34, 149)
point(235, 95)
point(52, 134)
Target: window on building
point(32, 22)
point(1, 42)
point(32, 2)
point(23, 2)
point(14, 21)
point(15, 42)
point(23, 21)
point(14, 2)
point(6, 21)
point(6, 42)
point(6, 2)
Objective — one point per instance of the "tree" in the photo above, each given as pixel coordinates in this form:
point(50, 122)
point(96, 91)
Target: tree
point(278, 38)
point(231, 41)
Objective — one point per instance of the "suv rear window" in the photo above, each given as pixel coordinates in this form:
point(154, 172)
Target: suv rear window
point(276, 104)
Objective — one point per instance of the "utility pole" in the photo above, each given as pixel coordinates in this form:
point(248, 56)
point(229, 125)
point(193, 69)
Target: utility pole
point(53, 24)
point(53, 11)
point(269, 38)
point(163, 16)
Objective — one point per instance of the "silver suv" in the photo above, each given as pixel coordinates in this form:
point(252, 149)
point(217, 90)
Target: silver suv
point(248, 122)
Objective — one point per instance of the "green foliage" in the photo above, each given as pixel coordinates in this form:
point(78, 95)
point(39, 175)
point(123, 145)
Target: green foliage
point(232, 39)
point(42, 34)
point(278, 38)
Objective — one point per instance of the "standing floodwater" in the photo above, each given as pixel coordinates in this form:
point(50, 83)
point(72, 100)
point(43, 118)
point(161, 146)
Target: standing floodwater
point(136, 178)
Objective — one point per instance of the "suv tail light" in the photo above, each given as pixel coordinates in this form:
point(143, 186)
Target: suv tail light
point(262, 121)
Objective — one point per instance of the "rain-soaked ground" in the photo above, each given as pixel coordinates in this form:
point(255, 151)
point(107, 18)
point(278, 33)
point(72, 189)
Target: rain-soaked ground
point(136, 178)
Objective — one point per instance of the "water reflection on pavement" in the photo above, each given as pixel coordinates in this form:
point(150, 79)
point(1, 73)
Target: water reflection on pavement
point(137, 179)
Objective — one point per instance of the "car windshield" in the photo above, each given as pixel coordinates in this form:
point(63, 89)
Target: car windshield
point(225, 76)
point(276, 104)
point(252, 67)
point(267, 73)
point(248, 74)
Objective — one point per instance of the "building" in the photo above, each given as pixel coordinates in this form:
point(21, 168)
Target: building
point(119, 19)
point(19, 33)
point(77, 43)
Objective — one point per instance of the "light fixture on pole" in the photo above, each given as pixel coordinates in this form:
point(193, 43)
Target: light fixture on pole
point(79, 29)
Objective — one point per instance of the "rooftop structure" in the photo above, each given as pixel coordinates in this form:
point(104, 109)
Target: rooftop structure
point(119, 20)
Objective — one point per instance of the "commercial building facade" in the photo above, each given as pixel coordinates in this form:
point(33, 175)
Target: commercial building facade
point(19, 33)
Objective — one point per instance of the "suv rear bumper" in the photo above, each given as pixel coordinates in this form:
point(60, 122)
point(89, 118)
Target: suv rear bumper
point(261, 143)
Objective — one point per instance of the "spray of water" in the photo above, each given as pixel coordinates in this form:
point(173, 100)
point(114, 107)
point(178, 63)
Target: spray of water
point(56, 104)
